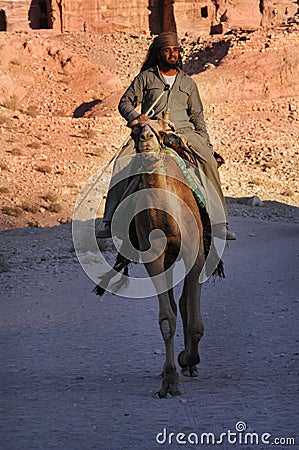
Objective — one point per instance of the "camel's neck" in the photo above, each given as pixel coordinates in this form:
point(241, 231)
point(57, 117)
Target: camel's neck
point(155, 179)
point(159, 199)
point(154, 173)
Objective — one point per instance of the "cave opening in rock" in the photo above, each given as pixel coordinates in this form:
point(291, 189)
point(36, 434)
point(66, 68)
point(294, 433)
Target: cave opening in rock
point(40, 14)
point(3, 23)
point(161, 17)
point(43, 20)
point(204, 12)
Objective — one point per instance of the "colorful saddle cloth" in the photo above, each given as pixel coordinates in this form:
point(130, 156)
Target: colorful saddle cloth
point(182, 155)
point(187, 175)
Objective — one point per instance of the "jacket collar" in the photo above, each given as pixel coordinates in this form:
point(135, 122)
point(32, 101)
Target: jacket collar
point(157, 72)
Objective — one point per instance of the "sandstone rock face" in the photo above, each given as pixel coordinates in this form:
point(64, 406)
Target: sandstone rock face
point(13, 15)
point(248, 81)
point(195, 16)
point(262, 65)
point(137, 16)
point(240, 14)
point(70, 15)
point(105, 16)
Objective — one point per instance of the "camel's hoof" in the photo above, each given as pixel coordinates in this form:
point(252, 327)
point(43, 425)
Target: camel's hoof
point(185, 372)
point(190, 372)
point(186, 360)
point(193, 372)
point(173, 391)
point(170, 384)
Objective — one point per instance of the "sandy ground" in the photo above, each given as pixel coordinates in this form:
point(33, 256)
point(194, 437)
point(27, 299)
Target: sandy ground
point(80, 373)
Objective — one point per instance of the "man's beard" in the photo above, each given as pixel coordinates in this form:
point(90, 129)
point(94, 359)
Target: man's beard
point(166, 64)
point(169, 65)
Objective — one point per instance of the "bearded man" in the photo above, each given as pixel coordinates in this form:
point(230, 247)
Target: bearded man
point(161, 72)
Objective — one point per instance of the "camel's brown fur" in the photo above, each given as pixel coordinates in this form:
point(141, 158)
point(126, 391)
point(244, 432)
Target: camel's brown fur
point(161, 214)
point(169, 216)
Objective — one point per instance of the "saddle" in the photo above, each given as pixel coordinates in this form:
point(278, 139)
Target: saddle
point(170, 140)
point(181, 152)
point(173, 141)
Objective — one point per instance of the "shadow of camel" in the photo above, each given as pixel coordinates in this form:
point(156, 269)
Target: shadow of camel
point(196, 62)
point(84, 107)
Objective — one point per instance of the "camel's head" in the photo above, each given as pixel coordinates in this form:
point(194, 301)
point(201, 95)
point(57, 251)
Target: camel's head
point(147, 140)
point(149, 135)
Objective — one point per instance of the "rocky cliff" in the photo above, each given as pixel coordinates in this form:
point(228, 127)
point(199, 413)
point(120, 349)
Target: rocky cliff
point(138, 16)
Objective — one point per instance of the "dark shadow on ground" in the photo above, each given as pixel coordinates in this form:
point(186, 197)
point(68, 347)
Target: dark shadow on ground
point(84, 107)
point(267, 210)
point(196, 62)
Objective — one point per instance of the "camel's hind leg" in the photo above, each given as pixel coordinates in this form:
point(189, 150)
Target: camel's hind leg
point(192, 323)
point(167, 322)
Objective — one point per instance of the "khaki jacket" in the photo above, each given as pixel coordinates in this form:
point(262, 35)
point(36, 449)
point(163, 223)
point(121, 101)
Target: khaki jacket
point(182, 101)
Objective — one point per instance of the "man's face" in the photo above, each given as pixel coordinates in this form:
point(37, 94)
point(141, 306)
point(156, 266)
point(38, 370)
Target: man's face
point(169, 56)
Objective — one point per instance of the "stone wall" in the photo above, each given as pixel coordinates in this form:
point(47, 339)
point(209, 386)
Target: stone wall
point(15, 14)
point(105, 16)
point(195, 16)
point(21, 15)
point(135, 16)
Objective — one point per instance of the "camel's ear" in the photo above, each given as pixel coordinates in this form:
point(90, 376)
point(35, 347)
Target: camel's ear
point(135, 131)
point(162, 123)
point(166, 125)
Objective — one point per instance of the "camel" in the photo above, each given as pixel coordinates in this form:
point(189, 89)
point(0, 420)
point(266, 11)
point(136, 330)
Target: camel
point(168, 226)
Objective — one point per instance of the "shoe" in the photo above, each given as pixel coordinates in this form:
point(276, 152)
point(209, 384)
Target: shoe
point(220, 231)
point(105, 231)
point(230, 236)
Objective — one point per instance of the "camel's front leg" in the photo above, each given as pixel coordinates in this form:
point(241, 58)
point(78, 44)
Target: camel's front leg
point(192, 323)
point(167, 322)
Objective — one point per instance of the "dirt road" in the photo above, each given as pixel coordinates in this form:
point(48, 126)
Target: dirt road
point(79, 373)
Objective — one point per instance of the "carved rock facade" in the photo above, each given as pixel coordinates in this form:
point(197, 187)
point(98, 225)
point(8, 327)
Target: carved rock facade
point(137, 16)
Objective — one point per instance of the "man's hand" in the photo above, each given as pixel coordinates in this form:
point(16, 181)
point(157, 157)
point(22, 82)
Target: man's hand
point(141, 118)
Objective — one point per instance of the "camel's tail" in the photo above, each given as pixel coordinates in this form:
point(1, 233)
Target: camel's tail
point(219, 271)
point(121, 263)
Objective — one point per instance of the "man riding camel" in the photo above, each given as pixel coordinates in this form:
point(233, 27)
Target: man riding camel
point(161, 72)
